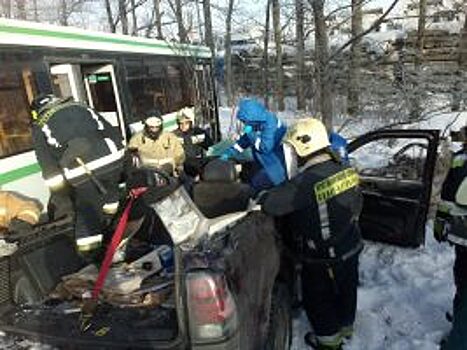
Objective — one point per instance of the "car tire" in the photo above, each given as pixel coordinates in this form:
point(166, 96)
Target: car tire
point(279, 335)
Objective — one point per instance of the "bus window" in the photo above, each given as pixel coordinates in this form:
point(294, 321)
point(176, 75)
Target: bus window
point(17, 87)
point(157, 84)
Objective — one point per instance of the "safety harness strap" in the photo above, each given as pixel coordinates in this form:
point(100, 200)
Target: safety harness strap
point(116, 238)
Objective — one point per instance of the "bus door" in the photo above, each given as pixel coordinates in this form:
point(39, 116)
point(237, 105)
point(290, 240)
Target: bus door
point(67, 81)
point(103, 96)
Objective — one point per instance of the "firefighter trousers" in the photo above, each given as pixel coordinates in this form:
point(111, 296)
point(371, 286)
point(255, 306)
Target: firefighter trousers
point(330, 295)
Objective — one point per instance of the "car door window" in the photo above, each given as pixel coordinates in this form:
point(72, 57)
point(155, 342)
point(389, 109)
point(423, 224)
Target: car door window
point(402, 159)
point(396, 169)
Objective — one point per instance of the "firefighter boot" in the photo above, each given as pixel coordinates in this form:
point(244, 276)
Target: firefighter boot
point(332, 342)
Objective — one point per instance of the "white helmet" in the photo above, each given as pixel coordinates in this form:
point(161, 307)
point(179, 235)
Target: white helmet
point(153, 121)
point(307, 136)
point(187, 113)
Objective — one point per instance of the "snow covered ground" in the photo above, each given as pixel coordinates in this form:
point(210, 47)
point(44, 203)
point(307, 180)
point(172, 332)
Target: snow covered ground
point(402, 298)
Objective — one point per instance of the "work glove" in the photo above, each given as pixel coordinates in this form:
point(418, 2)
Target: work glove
point(19, 226)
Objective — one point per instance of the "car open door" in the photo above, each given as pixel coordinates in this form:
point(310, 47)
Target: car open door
point(396, 171)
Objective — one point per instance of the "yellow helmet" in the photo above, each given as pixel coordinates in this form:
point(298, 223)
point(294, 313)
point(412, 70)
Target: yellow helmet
point(307, 136)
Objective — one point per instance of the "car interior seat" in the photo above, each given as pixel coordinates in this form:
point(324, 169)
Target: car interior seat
point(219, 192)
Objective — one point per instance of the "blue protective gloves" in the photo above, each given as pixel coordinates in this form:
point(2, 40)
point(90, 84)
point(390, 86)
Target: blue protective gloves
point(228, 153)
point(247, 129)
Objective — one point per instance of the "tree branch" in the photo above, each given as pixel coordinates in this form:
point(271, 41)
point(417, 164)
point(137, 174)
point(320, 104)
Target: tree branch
point(365, 32)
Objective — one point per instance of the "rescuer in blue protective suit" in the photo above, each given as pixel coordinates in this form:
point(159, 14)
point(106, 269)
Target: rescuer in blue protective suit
point(339, 146)
point(263, 132)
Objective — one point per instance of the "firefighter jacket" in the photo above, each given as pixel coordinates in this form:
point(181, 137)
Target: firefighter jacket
point(166, 149)
point(195, 141)
point(320, 206)
point(451, 219)
point(69, 133)
point(14, 206)
point(265, 139)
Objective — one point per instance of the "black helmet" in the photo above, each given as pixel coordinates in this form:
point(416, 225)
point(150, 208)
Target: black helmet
point(40, 103)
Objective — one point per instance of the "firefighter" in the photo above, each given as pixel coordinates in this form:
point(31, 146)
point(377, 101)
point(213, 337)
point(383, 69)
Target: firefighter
point(81, 158)
point(156, 148)
point(18, 213)
point(318, 210)
point(451, 226)
point(194, 139)
point(263, 133)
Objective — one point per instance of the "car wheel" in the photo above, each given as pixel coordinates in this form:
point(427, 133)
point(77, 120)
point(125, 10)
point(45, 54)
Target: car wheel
point(279, 335)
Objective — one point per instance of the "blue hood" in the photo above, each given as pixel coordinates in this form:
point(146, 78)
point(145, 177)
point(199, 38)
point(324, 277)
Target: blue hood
point(250, 111)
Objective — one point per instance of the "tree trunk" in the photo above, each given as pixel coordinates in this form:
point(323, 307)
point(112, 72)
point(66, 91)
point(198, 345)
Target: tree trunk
point(228, 56)
point(63, 13)
point(6, 8)
point(179, 16)
point(300, 62)
point(36, 13)
point(276, 22)
point(321, 59)
point(416, 90)
point(21, 7)
point(266, 55)
point(158, 18)
point(208, 37)
point(110, 19)
point(123, 16)
point(134, 18)
point(458, 91)
point(353, 105)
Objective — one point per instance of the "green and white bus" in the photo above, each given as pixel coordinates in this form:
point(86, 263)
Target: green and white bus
point(122, 77)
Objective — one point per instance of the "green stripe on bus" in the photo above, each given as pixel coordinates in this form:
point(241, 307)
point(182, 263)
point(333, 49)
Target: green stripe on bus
point(169, 123)
point(19, 173)
point(86, 37)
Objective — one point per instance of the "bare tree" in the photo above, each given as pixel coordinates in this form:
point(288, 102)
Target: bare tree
point(322, 58)
point(458, 90)
point(134, 31)
point(208, 37)
point(266, 54)
point(34, 8)
point(110, 19)
point(6, 8)
point(276, 22)
point(63, 13)
point(300, 61)
point(420, 33)
point(158, 19)
point(177, 8)
point(416, 91)
point(21, 8)
point(122, 15)
point(355, 59)
point(228, 55)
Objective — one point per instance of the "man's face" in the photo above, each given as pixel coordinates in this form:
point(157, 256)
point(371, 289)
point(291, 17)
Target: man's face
point(184, 125)
point(153, 131)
